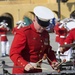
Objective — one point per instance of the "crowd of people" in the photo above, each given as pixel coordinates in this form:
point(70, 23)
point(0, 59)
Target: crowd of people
point(31, 43)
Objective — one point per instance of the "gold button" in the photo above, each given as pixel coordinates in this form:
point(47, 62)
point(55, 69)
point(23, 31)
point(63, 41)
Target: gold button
point(39, 55)
point(18, 60)
point(42, 46)
point(39, 35)
point(41, 40)
point(34, 38)
point(21, 63)
point(40, 51)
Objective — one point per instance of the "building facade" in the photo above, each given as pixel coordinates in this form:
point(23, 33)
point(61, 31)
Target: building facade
point(15, 10)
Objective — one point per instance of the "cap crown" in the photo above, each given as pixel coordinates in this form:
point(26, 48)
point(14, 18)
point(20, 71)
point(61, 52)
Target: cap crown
point(43, 13)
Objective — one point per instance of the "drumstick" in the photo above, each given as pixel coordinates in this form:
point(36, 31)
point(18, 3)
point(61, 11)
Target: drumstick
point(41, 68)
point(45, 69)
point(40, 61)
point(49, 60)
point(44, 57)
point(61, 63)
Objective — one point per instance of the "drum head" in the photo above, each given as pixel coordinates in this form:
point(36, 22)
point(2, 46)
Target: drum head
point(70, 25)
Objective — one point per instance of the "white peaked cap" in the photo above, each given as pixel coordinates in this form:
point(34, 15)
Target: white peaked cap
point(3, 23)
point(70, 25)
point(43, 13)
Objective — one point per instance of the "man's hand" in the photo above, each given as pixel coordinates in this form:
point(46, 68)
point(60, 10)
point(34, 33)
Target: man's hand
point(61, 49)
point(28, 67)
point(54, 65)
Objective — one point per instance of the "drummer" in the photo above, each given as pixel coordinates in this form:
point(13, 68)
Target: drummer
point(32, 42)
point(71, 36)
point(62, 34)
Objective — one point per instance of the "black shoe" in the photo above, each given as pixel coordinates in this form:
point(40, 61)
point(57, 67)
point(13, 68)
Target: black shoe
point(3, 55)
point(7, 55)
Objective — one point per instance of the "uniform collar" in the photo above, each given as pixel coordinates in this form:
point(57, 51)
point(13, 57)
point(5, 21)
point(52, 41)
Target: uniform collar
point(32, 27)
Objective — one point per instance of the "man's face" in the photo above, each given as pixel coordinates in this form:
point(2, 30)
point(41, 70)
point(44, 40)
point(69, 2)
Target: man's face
point(38, 27)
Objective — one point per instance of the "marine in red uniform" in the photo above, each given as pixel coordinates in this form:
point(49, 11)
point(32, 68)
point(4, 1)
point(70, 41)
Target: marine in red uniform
point(4, 40)
point(70, 25)
point(69, 39)
point(32, 42)
point(63, 32)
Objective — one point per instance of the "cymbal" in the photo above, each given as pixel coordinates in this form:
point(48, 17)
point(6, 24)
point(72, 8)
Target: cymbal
point(68, 45)
point(6, 66)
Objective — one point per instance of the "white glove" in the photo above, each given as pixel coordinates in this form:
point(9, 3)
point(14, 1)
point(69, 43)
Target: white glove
point(19, 26)
point(61, 25)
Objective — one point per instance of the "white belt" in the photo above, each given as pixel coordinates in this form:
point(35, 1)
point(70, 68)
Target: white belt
point(57, 35)
point(65, 43)
point(3, 35)
point(62, 36)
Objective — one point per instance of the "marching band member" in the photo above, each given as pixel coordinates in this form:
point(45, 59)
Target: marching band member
point(4, 41)
point(63, 32)
point(19, 25)
point(71, 37)
point(32, 42)
point(67, 54)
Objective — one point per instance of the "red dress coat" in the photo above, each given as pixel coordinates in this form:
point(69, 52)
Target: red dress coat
point(71, 37)
point(29, 46)
point(14, 30)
